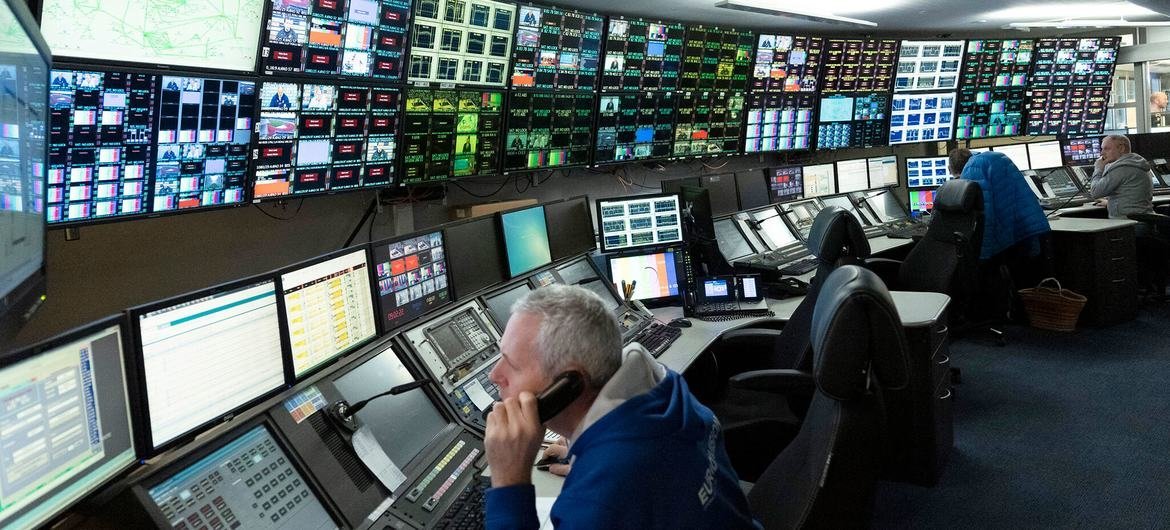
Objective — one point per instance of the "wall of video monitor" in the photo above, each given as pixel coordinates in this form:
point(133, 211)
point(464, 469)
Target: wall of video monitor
point(316, 137)
point(928, 65)
point(787, 63)
point(994, 79)
point(450, 134)
point(1070, 84)
point(707, 123)
point(556, 49)
point(716, 58)
point(921, 117)
point(641, 55)
point(854, 65)
point(548, 129)
point(1067, 111)
point(779, 122)
point(360, 38)
point(853, 120)
point(634, 126)
point(460, 41)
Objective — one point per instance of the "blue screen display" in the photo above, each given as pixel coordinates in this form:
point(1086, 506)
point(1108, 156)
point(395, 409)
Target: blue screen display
point(525, 240)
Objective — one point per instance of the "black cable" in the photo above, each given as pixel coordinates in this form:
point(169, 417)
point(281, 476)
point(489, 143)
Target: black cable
point(370, 230)
point(516, 184)
point(545, 179)
point(469, 192)
point(277, 217)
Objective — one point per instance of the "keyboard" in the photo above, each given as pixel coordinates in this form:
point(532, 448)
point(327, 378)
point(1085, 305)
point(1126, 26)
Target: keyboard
point(467, 509)
point(656, 337)
point(798, 267)
point(907, 231)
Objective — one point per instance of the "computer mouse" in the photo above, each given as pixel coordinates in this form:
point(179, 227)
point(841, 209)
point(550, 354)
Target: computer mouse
point(679, 323)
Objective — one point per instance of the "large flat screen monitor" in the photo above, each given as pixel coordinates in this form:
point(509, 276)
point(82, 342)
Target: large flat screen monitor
point(852, 175)
point(922, 117)
point(572, 222)
point(65, 420)
point(325, 39)
point(450, 134)
point(1044, 155)
point(639, 221)
point(556, 49)
point(634, 126)
point(927, 172)
point(928, 65)
point(525, 235)
point(883, 171)
point(478, 259)
point(1018, 153)
point(655, 276)
point(820, 179)
point(466, 43)
point(412, 277)
point(642, 54)
point(548, 130)
point(785, 183)
point(203, 356)
point(328, 308)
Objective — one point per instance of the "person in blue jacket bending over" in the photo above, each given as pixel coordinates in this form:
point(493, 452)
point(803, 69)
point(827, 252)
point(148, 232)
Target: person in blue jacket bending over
point(644, 453)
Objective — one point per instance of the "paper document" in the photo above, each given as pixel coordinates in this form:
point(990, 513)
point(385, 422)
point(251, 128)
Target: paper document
point(544, 511)
point(478, 395)
point(375, 459)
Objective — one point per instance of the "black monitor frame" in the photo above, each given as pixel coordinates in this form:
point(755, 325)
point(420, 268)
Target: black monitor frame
point(555, 244)
point(383, 327)
point(136, 374)
point(681, 273)
point(499, 261)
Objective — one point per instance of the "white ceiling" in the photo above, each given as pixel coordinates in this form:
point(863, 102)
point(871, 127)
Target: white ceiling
point(925, 18)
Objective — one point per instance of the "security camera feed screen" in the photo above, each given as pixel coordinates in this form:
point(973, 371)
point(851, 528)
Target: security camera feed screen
point(1063, 62)
point(787, 63)
point(928, 65)
point(716, 58)
point(858, 65)
point(548, 130)
point(412, 277)
point(556, 49)
point(450, 134)
point(997, 63)
point(634, 126)
point(642, 55)
point(921, 117)
point(362, 38)
point(456, 41)
point(779, 122)
point(927, 172)
point(101, 126)
point(707, 123)
point(989, 112)
point(853, 120)
point(637, 221)
point(316, 138)
point(204, 131)
point(1068, 111)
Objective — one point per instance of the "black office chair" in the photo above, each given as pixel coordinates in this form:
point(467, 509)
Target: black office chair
point(826, 477)
point(1153, 254)
point(757, 422)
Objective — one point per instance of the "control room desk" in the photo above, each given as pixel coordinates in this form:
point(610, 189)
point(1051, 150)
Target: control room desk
point(1097, 258)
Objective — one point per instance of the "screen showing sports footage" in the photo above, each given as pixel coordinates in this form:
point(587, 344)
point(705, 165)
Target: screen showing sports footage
point(928, 65)
point(461, 42)
point(204, 131)
point(641, 55)
point(1068, 111)
point(997, 63)
point(363, 38)
point(853, 120)
point(634, 126)
point(927, 172)
point(989, 112)
point(787, 63)
point(451, 134)
point(716, 58)
point(921, 117)
point(556, 49)
point(548, 130)
point(1075, 62)
point(101, 125)
point(316, 137)
point(859, 65)
point(779, 122)
point(707, 122)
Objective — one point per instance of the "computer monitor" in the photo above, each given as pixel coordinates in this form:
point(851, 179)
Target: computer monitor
point(478, 260)
point(217, 486)
point(660, 275)
point(412, 275)
point(752, 191)
point(525, 236)
point(1151, 145)
point(573, 224)
point(639, 221)
point(852, 175)
point(772, 229)
point(673, 185)
point(642, 54)
point(921, 202)
point(886, 206)
point(1044, 155)
point(883, 171)
point(722, 189)
point(581, 272)
point(66, 422)
point(785, 183)
point(205, 355)
point(557, 49)
point(328, 308)
point(1018, 153)
point(927, 172)
point(499, 304)
point(820, 179)
point(24, 56)
point(1080, 151)
point(732, 242)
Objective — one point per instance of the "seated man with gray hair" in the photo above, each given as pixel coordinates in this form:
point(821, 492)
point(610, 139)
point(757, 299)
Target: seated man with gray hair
point(644, 452)
point(1122, 178)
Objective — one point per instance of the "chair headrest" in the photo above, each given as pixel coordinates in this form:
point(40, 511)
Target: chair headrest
point(855, 327)
point(958, 195)
point(835, 234)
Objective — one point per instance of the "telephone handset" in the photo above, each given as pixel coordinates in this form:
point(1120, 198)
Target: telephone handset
point(560, 394)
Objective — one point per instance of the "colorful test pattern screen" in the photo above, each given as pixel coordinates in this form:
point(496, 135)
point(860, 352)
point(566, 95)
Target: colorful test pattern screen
point(557, 49)
point(641, 55)
point(450, 133)
point(412, 277)
point(548, 129)
point(361, 38)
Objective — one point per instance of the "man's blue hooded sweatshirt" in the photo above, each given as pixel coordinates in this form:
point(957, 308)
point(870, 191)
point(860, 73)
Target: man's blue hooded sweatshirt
point(1011, 212)
point(646, 455)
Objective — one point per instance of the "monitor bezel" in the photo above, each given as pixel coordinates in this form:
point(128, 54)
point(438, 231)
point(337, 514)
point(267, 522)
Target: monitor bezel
point(592, 229)
point(503, 241)
point(661, 301)
point(622, 198)
point(140, 403)
point(383, 327)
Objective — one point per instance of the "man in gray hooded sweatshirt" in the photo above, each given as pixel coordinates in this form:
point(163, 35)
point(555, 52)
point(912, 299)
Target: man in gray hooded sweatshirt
point(1123, 178)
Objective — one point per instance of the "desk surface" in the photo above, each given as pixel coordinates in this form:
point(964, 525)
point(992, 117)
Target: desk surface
point(1083, 224)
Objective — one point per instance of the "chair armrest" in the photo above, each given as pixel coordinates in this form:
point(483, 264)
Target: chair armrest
point(749, 339)
point(775, 381)
point(886, 269)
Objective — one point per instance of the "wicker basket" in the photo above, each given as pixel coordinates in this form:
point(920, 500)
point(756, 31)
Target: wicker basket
point(1051, 308)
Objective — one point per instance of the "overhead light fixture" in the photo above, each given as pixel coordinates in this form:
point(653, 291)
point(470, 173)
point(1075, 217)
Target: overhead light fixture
point(802, 14)
point(1085, 23)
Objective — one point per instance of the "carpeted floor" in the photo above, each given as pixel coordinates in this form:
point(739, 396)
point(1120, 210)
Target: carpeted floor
point(1054, 430)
